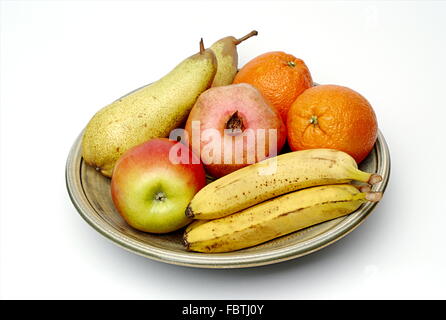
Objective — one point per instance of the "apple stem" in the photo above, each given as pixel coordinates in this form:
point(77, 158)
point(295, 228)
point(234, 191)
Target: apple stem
point(160, 196)
point(249, 35)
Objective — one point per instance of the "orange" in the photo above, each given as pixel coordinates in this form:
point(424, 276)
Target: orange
point(335, 117)
point(279, 76)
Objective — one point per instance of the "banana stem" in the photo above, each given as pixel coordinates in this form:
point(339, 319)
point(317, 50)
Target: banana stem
point(363, 188)
point(373, 196)
point(366, 177)
point(375, 178)
point(189, 213)
point(249, 35)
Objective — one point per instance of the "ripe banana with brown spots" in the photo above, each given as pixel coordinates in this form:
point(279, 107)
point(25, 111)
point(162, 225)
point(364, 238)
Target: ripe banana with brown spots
point(275, 218)
point(273, 177)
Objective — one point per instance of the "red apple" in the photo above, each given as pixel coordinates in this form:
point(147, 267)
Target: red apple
point(234, 126)
point(153, 183)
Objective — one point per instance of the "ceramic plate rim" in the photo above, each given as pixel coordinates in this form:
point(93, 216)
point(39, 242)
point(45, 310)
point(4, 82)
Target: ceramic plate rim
point(234, 260)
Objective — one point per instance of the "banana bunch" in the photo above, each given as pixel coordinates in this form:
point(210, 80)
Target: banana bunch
point(275, 176)
point(275, 197)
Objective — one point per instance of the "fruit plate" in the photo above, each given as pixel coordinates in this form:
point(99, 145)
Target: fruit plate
point(90, 193)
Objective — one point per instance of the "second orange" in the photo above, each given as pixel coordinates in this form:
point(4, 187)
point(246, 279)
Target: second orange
point(279, 76)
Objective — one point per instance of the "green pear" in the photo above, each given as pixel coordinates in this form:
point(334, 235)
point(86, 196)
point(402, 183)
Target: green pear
point(149, 112)
point(225, 50)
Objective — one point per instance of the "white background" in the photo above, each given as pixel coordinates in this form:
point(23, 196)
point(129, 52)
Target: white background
point(62, 61)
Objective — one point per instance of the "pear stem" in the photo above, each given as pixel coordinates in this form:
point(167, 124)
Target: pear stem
point(201, 46)
point(249, 35)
